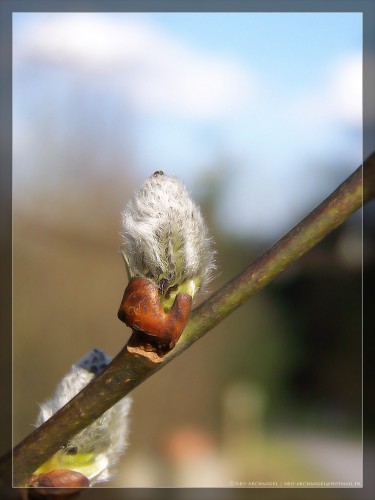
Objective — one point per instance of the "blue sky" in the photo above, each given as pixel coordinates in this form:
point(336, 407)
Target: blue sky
point(276, 95)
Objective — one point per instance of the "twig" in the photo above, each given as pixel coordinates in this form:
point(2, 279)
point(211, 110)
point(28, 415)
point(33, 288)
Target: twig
point(127, 370)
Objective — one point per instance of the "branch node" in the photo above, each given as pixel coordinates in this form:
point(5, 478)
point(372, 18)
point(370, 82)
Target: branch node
point(152, 356)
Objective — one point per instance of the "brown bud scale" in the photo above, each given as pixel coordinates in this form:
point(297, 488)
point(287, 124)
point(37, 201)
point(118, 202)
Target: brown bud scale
point(142, 310)
point(60, 478)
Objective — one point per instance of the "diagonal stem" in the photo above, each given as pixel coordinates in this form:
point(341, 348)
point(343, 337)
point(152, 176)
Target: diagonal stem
point(127, 370)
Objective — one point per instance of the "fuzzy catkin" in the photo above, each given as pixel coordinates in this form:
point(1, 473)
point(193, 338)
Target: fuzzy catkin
point(165, 237)
point(103, 441)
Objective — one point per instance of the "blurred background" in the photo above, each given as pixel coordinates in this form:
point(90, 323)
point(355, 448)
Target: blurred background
point(260, 115)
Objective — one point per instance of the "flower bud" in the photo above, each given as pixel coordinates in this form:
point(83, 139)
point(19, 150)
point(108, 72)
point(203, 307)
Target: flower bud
point(95, 450)
point(169, 257)
point(166, 239)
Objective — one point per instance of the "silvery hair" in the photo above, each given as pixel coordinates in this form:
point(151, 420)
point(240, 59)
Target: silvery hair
point(106, 437)
point(165, 236)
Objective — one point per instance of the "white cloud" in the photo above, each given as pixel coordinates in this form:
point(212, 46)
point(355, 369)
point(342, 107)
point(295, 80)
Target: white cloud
point(338, 99)
point(346, 89)
point(155, 72)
